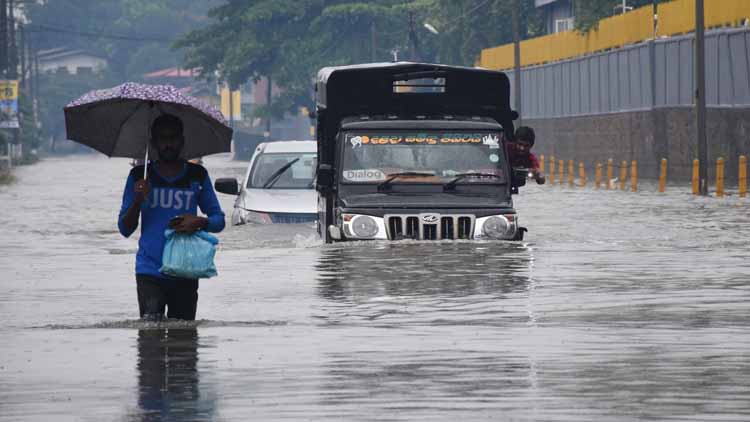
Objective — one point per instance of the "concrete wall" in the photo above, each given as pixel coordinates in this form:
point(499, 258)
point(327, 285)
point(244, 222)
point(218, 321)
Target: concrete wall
point(646, 136)
point(636, 103)
point(639, 77)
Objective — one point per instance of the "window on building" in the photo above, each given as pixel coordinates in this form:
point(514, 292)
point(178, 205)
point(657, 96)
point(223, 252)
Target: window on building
point(562, 25)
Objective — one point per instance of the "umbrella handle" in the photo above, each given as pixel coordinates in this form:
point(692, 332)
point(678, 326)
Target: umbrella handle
point(145, 165)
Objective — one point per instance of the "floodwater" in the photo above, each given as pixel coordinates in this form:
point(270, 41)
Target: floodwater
point(617, 307)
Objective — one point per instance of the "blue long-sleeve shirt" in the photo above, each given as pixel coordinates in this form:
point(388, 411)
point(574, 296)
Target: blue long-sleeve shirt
point(169, 197)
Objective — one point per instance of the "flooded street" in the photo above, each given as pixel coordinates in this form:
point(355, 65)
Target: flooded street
point(618, 306)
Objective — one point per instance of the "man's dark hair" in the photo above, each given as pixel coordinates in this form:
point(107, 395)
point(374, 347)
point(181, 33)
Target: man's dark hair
point(525, 135)
point(167, 120)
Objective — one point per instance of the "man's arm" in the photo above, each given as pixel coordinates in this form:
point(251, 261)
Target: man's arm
point(538, 175)
point(132, 198)
point(209, 204)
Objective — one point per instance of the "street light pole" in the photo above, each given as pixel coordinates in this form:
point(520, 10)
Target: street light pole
point(415, 56)
point(700, 95)
point(373, 43)
point(517, 59)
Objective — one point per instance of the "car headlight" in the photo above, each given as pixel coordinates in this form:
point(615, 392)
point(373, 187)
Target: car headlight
point(497, 227)
point(253, 217)
point(363, 227)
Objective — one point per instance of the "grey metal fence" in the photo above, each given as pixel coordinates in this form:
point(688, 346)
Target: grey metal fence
point(652, 74)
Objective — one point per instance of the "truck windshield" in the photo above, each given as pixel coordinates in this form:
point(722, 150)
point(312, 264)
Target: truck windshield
point(372, 157)
point(294, 170)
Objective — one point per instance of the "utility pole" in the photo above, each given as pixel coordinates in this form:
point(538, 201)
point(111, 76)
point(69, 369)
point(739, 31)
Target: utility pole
point(13, 69)
point(517, 55)
point(35, 88)
point(231, 105)
point(22, 57)
point(700, 95)
point(3, 36)
point(12, 46)
point(269, 98)
point(373, 43)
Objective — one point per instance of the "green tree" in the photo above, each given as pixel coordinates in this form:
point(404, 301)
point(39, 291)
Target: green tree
point(588, 13)
point(59, 88)
point(289, 40)
point(134, 36)
point(467, 27)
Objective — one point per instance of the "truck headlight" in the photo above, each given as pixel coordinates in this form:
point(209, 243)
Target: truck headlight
point(496, 227)
point(363, 227)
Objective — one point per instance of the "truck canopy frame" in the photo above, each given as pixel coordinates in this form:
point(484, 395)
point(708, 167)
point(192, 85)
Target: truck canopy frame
point(399, 89)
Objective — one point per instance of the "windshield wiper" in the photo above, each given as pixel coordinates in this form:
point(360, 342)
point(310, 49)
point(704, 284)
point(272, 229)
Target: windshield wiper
point(459, 177)
point(391, 177)
point(277, 174)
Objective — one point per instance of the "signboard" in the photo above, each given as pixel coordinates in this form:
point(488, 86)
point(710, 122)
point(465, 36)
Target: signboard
point(8, 104)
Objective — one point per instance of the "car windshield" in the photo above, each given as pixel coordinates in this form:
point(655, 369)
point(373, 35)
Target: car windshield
point(373, 157)
point(268, 171)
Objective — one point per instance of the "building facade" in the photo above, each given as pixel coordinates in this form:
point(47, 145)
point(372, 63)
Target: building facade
point(558, 14)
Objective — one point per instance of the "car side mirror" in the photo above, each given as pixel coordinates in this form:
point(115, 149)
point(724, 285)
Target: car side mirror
point(227, 185)
point(519, 177)
point(324, 177)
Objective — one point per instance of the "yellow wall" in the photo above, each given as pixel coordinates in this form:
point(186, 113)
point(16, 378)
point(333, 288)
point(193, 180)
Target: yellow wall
point(236, 104)
point(675, 17)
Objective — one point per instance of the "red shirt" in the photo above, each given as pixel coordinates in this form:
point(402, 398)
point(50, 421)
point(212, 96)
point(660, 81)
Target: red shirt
point(519, 158)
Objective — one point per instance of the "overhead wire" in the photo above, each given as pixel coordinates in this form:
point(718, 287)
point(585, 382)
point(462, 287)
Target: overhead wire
point(446, 25)
point(465, 14)
point(40, 28)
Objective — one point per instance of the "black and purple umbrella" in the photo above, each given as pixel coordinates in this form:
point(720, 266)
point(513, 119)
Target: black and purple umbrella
point(117, 121)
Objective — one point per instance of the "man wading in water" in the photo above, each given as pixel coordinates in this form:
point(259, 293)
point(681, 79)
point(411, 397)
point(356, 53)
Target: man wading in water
point(169, 197)
point(520, 153)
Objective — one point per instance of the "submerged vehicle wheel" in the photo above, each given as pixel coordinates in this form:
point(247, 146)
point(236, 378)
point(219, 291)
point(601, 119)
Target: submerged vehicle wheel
point(519, 233)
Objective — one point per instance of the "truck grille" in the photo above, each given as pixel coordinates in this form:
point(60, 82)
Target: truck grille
point(430, 227)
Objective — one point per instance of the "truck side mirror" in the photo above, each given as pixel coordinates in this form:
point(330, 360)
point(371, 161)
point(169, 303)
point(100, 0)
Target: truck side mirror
point(324, 177)
point(227, 185)
point(519, 177)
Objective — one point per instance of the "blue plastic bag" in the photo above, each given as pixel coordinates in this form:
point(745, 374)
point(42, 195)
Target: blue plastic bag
point(189, 255)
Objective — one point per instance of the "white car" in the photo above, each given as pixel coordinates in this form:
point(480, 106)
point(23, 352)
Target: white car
point(278, 186)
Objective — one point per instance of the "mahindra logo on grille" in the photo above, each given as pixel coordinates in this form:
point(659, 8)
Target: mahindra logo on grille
point(430, 218)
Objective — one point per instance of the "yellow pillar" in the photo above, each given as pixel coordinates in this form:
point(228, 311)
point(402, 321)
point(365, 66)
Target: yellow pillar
point(541, 163)
point(561, 171)
point(552, 170)
point(623, 174)
point(743, 176)
point(663, 175)
point(609, 174)
point(571, 173)
point(719, 177)
point(696, 172)
point(634, 176)
point(598, 176)
point(581, 175)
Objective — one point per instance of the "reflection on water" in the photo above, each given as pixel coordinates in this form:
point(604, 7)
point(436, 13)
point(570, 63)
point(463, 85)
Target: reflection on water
point(412, 283)
point(620, 307)
point(441, 269)
point(444, 305)
point(169, 387)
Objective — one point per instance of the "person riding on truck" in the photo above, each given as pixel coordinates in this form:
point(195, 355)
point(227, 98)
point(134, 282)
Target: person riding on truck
point(520, 155)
